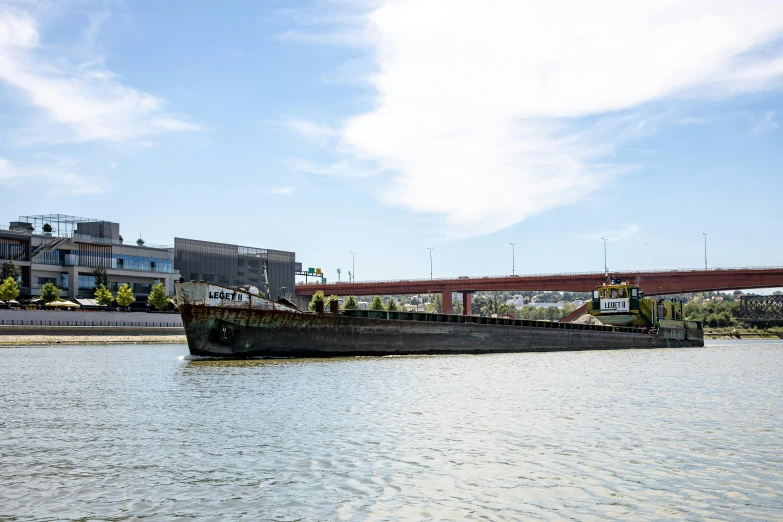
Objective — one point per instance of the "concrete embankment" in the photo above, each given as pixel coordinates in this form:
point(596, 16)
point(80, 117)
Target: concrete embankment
point(29, 335)
point(43, 327)
point(84, 318)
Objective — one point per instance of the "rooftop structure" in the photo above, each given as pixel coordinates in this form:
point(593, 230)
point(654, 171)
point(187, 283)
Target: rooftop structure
point(63, 225)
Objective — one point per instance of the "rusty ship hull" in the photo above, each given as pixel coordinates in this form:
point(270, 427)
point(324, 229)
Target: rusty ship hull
point(228, 324)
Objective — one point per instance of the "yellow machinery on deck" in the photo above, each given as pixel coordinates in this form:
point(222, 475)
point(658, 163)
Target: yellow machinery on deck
point(620, 303)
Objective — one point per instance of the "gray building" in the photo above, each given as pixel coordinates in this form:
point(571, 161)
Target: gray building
point(235, 265)
point(67, 251)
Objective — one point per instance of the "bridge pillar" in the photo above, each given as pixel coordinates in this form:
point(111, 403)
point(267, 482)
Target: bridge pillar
point(467, 303)
point(447, 309)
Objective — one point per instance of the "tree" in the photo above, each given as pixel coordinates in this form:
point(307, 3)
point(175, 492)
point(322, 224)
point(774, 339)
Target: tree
point(377, 303)
point(11, 269)
point(47, 228)
point(392, 306)
point(125, 296)
point(435, 306)
point(494, 303)
point(103, 296)
point(158, 297)
point(101, 277)
point(317, 296)
point(350, 303)
point(49, 293)
point(331, 298)
point(567, 309)
point(140, 242)
point(456, 306)
point(9, 289)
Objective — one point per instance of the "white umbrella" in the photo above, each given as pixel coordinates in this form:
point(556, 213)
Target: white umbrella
point(62, 304)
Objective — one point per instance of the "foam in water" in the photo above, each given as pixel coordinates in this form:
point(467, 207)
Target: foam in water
point(195, 358)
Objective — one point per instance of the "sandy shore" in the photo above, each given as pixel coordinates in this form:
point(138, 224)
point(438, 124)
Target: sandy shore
point(49, 335)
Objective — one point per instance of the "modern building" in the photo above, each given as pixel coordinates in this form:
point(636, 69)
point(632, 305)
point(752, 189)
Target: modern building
point(66, 250)
point(235, 265)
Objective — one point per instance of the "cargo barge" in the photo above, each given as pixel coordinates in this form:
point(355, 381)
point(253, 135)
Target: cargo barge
point(239, 322)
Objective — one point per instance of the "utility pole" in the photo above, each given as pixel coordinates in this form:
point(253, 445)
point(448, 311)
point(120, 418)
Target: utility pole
point(513, 261)
point(430, 249)
point(606, 271)
point(705, 250)
point(353, 265)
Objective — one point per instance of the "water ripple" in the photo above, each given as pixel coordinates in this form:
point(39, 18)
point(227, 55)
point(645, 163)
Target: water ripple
point(118, 432)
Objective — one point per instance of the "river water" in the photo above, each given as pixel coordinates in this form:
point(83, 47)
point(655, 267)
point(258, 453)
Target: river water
point(126, 432)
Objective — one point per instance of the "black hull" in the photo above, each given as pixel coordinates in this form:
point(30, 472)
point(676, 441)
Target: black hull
point(232, 332)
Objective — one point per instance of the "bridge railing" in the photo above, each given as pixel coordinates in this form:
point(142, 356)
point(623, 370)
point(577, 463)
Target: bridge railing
point(556, 274)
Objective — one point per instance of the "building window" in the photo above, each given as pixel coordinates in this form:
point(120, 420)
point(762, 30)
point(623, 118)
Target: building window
point(194, 276)
point(43, 280)
point(120, 263)
point(142, 288)
point(64, 281)
point(86, 282)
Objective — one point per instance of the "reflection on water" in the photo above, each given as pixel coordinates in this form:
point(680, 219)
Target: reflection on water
point(137, 431)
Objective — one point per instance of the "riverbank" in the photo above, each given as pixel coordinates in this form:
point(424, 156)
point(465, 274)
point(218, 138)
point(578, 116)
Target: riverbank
point(731, 332)
point(51, 335)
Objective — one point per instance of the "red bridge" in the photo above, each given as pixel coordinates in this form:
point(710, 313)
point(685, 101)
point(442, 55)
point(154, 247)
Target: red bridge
point(653, 282)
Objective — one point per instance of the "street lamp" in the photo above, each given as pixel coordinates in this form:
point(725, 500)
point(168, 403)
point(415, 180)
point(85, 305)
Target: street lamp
point(606, 271)
point(513, 261)
point(353, 265)
point(705, 250)
point(430, 249)
point(338, 275)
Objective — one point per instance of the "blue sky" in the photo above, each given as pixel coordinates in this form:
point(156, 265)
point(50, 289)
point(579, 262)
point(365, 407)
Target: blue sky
point(386, 127)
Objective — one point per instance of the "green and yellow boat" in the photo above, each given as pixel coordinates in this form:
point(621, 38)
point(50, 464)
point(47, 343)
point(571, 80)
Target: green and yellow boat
point(620, 303)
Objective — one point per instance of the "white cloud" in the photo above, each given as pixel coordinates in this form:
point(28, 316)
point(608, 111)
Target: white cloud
point(766, 125)
point(89, 101)
point(345, 169)
point(6, 173)
point(485, 111)
point(321, 134)
point(58, 176)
